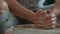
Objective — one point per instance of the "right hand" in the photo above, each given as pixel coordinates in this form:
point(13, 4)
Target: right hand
point(44, 20)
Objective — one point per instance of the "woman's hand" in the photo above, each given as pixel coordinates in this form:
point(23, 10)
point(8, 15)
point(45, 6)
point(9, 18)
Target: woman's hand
point(46, 19)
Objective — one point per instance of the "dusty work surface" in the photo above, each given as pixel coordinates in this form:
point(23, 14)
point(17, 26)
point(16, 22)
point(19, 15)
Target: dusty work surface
point(32, 26)
point(31, 29)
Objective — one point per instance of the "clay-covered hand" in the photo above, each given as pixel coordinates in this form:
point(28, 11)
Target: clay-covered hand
point(47, 19)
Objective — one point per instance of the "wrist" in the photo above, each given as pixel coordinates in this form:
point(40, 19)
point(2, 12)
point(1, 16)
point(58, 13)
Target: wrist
point(35, 19)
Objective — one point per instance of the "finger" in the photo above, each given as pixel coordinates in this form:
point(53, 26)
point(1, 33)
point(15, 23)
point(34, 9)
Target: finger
point(39, 13)
point(54, 23)
point(41, 24)
point(48, 25)
point(49, 11)
point(53, 19)
point(48, 21)
point(46, 15)
point(51, 24)
point(53, 15)
point(38, 25)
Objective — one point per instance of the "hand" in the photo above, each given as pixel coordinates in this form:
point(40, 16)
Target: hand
point(47, 19)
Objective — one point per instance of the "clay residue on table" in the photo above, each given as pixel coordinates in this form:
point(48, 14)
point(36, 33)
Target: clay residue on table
point(31, 26)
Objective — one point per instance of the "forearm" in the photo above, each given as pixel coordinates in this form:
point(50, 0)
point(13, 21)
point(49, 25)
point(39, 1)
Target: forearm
point(20, 11)
point(57, 4)
point(56, 8)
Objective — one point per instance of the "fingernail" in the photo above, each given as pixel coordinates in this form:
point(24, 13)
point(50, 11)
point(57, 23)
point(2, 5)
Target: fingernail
point(54, 22)
point(53, 15)
point(54, 19)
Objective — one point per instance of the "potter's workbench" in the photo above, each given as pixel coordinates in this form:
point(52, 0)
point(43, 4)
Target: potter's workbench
point(31, 29)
